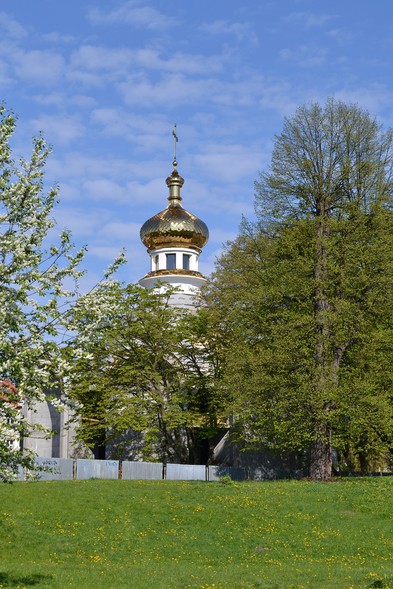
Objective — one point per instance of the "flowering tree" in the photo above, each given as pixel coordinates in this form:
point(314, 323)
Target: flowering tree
point(34, 301)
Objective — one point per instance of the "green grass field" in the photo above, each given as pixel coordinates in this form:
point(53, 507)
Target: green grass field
point(187, 535)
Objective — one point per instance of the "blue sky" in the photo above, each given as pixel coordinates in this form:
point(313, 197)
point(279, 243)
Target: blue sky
point(106, 81)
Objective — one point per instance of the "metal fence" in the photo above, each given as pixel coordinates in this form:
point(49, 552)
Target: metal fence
point(67, 469)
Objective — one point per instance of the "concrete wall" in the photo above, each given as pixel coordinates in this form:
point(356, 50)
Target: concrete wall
point(60, 442)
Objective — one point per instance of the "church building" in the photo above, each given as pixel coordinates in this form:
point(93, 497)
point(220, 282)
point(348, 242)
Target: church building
point(174, 239)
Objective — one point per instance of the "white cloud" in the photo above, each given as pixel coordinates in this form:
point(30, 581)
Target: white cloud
point(341, 36)
point(39, 67)
point(278, 95)
point(98, 58)
point(309, 19)
point(87, 79)
point(214, 202)
point(58, 38)
point(119, 61)
point(57, 129)
point(10, 27)
point(80, 221)
point(104, 189)
point(232, 208)
point(133, 13)
point(79, 166)
point(61, 100)
point(175, 89)
point(51, 99)
point(228, 162)
point(170, 89)
point(247, 91)
point(146, 131)
point(125, 231)
point(305, 55)
point(241, 31)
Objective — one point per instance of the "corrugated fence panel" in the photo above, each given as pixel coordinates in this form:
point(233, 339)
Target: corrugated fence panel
point(185, 472)
point(97, 469)
point(54, 469)
point(142, 470)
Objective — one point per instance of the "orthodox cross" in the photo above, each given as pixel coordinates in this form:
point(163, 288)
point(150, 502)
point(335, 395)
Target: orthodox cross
point(175, 140)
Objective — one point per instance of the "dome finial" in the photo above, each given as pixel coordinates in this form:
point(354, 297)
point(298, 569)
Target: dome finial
point(175, 140)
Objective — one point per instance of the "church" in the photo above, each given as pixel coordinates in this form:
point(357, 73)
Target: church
point(174, 239)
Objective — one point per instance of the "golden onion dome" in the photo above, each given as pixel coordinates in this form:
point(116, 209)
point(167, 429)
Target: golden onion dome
point(174, 226)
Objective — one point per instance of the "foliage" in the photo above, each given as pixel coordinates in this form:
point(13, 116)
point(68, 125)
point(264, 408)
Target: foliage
point(145, 378)
point(189, 535)
point(306, 292)
point(38, 282)
point(226, 479)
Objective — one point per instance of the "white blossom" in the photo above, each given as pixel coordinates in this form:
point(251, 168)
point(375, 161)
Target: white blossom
point(34, 302)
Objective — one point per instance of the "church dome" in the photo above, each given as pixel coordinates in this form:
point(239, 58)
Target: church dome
point(174, 226)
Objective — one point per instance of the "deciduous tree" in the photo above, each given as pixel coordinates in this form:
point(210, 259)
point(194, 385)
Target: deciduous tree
point(146, 375)
point(307, 291)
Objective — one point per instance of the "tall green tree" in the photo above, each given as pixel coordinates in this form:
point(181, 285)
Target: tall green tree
point(36, 292)
point(307, 291)
point(144, 383)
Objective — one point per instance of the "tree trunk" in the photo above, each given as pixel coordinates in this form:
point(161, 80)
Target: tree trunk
point(321, 456)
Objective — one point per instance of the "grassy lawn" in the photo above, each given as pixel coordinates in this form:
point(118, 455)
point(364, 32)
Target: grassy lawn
point(188, 535)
